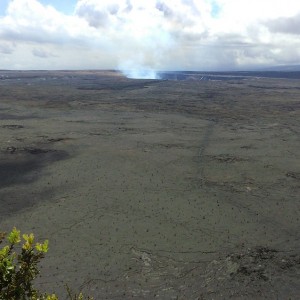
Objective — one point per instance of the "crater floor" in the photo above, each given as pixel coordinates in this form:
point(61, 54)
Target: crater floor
point(155, 188)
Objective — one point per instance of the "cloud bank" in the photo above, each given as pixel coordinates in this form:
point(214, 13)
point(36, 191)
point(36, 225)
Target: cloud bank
point(144, 36)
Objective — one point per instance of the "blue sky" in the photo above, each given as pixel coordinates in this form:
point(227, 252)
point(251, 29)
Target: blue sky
point(149, 34)
point(3, 6)
point(216, 9)
point(66, 6)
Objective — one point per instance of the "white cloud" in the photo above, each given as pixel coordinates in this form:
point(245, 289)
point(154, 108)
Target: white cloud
point(6, 48)
point(30, 21)
point(151, 34)
point(42, 53)
point(287, 25)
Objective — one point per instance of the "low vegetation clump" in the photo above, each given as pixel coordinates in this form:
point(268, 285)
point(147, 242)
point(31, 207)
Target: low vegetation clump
point(19, 259)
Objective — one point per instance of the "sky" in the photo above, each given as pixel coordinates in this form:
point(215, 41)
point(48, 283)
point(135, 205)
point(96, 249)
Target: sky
point(144, 36)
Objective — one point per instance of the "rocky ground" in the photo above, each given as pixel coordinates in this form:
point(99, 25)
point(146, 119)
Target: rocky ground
point(155, 188)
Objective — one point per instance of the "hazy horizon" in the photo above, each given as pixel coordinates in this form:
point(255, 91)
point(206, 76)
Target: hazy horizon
point(280, 68)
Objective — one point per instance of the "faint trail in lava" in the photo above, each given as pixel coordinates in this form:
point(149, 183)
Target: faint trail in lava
point(203, 146)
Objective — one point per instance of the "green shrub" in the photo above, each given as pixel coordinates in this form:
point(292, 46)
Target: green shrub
point(19, 260)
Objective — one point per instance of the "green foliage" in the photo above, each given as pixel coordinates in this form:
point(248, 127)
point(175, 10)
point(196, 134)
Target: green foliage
point(73, 296)
point(17, 271)
point(19, 267)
